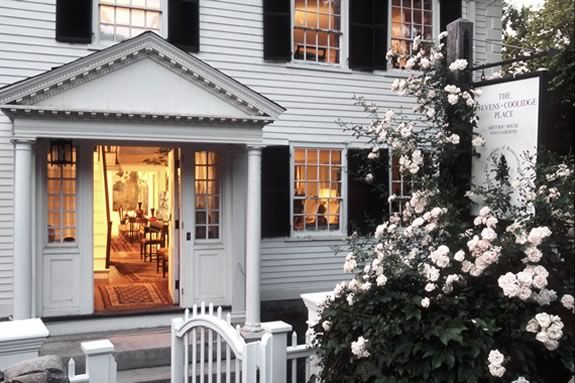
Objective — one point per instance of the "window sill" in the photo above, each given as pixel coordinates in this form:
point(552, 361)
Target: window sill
point(399, 73)
point(317, 67)
point(316, 237)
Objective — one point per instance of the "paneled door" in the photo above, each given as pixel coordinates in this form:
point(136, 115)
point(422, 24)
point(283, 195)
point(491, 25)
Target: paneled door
point(205, 266)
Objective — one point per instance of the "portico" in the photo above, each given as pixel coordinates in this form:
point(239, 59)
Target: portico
point(142, 92)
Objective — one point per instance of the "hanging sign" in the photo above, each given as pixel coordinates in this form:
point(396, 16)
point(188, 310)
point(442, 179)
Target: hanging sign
point(509, 117)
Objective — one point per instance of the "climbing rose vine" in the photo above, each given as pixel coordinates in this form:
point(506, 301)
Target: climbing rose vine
point(438, 294)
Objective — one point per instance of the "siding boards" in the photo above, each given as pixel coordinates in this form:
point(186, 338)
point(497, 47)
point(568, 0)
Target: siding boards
point(231, 39)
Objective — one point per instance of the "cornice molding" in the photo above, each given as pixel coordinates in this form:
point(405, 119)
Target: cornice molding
point(47, 113)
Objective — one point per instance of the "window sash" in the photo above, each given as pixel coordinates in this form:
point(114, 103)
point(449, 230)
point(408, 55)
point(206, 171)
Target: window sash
point(114, 30)
point(61, 203)
point(207, 190)
point(307, 48)
point(316, 182)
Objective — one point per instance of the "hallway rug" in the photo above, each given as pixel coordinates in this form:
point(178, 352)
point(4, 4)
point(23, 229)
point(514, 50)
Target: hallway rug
point(132, 296)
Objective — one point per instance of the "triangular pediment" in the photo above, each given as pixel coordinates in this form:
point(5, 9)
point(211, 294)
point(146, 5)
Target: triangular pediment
point(144, 75)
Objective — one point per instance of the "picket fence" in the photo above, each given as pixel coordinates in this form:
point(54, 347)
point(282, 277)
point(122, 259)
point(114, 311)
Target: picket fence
point(207, 349)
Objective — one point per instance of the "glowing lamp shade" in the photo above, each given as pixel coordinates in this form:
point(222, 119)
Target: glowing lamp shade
point(327, 193)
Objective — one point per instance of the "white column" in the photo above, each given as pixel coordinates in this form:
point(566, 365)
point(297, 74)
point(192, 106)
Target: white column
point(22, 299)
point(252, 327)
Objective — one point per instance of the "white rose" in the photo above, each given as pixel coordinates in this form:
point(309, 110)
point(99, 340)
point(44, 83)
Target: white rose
point(543, 319)
point(478, 141)
point(459, 256)
point(326, 325)
point(532, 326)
point(497, 371)
point(425, 302)
point(520, 380)
point(542, 336)
point(488, 234)
point(554, 332)
point(568, 301)
point(381, 280)
point(495, 357)
point(491, 222)
point(359, 348)
point(452, 99)
point(551, 345)
point(539, 281)
point(485, 211)
point(430, 287)
point(350, 299)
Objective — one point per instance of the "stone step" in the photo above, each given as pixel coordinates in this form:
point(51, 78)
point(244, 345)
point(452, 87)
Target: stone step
point(133, 349)
point(160, 375)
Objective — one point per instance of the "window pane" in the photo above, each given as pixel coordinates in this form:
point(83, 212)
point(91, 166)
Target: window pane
point(106, 14)
point(138, 18)
point(138, 3)
point(201, 218)
point(213, 232)
point(200, 232)
point(153, 20)
point(155, 4)
point(123, 16)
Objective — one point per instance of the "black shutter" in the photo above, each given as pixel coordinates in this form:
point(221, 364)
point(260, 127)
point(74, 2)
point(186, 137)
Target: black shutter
point(449, 10)
point(366, 206)
point(275, 191)
point(74, 21)
point(361, 34)
point(277, 30)
point(184, 24)
point(380, 34)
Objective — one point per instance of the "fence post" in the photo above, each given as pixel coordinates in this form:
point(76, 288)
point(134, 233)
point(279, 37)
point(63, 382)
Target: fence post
point(100, 363)
point(178, 360)
point(275, 351)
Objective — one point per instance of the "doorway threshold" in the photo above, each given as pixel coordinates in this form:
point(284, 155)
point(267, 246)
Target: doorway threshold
point(121, 321)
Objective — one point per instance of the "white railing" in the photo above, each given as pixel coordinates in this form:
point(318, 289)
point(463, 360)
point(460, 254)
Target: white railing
point(100, 364)
point(295, 353)
point(207, 349)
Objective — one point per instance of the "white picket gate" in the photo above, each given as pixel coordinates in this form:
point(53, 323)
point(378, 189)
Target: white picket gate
point(206, 348)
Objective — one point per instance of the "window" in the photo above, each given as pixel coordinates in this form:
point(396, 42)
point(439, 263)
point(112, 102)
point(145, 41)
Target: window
point(317, 197)
point(399, 187)
point(61, 185)
point(122, 19)
point(409, 19)
point(207, 190)
point(317, 31)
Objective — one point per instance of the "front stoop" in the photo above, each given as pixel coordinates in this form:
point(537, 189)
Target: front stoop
point(141, 355)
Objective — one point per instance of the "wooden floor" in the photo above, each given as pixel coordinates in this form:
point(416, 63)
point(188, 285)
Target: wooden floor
point(128, 269)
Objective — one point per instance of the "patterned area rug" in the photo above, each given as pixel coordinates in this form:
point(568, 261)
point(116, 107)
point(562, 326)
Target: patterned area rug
point(132, 296)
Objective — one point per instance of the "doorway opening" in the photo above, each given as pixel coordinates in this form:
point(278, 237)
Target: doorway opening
point(134, 241)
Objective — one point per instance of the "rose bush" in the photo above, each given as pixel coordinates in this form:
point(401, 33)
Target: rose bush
point(439, 295)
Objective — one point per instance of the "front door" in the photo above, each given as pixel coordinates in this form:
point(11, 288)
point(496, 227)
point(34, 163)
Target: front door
point(205, 270)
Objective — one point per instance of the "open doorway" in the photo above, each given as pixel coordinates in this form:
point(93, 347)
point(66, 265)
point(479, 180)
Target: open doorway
point(135, 206)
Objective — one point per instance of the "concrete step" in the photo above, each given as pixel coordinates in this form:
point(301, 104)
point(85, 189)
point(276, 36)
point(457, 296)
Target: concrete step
point(135, 349)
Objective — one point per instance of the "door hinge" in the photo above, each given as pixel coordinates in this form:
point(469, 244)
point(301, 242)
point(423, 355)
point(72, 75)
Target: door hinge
point(177, 224)
point(177, 284)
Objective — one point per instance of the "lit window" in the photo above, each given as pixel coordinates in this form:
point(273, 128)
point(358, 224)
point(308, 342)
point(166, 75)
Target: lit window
point(61, 184)
point(317, 190)
point(400, 187)
point(122, 19)
point(410, 18)
point(207, 187)
point(317, 31)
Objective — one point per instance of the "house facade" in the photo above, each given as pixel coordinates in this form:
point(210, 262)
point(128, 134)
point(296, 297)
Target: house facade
point(220, 117)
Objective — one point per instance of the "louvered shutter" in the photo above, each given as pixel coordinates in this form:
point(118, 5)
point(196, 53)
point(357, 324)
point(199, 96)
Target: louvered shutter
point(361, 34)
point(277, 30)
point(449, 10)
point(380, 34)
point(74, 21)
point(184, 24)
point(366, 206)
point(275, 191)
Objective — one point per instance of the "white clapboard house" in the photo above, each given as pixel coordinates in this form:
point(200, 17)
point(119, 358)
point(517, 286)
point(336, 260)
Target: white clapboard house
point(159, 153)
